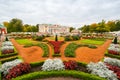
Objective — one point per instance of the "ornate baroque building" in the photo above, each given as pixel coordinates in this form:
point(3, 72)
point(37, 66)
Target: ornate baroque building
point(53, 29)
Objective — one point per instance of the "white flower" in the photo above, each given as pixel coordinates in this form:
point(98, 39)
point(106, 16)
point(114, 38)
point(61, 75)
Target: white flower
point(112, 61)
point(101, 70)
point(7, 43)
point(53, 64)
point(8, 65)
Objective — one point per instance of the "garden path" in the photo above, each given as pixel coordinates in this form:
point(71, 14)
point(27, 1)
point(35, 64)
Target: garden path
point(83, 54)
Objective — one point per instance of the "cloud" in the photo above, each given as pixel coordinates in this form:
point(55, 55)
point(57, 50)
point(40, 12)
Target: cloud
point(65, 12)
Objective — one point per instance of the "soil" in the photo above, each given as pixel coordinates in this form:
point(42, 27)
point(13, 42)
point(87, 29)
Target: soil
point(83, 54)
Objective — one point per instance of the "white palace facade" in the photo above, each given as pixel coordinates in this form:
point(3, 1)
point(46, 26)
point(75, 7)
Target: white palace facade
point(53, 29)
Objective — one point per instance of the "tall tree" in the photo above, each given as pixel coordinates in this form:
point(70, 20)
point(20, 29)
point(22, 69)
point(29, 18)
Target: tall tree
point(15, 25)
point(71, 28)
point(85, 28)
point(102, 27)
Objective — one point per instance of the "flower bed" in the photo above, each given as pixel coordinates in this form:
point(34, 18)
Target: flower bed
point(109, 69)
point(7, 47)
point(56, 45)
point(114, 49)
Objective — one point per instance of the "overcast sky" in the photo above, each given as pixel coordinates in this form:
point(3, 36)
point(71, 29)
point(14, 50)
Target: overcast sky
point(65, 12)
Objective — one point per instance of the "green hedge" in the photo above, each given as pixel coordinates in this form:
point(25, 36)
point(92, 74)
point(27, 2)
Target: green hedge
point(37, 64)
point(43, 74)
point(8, 55)
point(9, 59)
point(112, 56)
point(70, 50)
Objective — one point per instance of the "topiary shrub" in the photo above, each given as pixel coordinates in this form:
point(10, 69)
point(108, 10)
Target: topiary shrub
point(56, 38)
point(115, 40)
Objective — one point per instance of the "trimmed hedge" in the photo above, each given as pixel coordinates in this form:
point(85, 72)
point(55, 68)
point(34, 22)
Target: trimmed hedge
point(36, 64)
point(112, 56)
point(56, 55)
point(44, 74)
point(9, 59)
point(70, 50)
point(8, 55)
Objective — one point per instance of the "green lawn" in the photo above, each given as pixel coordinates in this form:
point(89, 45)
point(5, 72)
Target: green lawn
point(25, 41)
point(88, 41)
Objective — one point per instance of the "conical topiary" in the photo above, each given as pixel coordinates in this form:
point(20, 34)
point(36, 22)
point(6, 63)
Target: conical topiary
point(6, 39)
point(56, 38)
point(115, 40)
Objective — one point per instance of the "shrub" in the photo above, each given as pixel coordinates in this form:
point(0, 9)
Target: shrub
point(67, 38)
point(18, 70)
point(55, 64)
point(70, 65)
point(8, 65)
point(115, 40)
point(56, 38)
point(75, 37)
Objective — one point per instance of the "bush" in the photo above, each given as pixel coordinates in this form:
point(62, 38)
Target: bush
point(75, 37)
point(115, 40)
point(70, 65)
point(67, 38)
point(112, 56)
point(18, 70)
point(44, 74)
point(56, 38)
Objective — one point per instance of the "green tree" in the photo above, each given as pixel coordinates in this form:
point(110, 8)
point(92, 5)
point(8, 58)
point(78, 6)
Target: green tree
point(71, 28)
point(102, 27)
point(111, 25)
point(15, 25)
point(85, 28)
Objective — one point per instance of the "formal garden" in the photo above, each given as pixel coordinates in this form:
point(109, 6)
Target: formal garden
point(42, 57)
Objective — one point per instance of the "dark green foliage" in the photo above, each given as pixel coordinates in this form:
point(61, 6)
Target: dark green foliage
point(115, 40)
point(75, 37)
point(43, 74)
point(6, 39)
point(56, 38)
point(67, 38)
point(92, 46)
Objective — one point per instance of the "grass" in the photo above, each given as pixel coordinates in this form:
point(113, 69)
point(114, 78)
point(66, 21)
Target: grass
point(95, 42)
point(24, 41)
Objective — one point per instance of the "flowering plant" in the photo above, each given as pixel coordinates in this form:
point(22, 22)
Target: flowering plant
point(18, 70)
point(7, 49)
point(4, 68)
point(7, 43)
point(53, 64)
point(56, 45)
point(101, 70)
point(112, 61)
point(114, 49)
point(70, 65)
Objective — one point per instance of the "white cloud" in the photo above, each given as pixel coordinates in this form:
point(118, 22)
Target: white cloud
point(65, 12)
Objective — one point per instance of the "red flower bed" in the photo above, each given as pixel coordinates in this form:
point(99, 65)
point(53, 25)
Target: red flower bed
point(115, 69)
point(18, 70)
point(7, 51)
point(56, 45)
point(70, 65)
point(113, 52)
